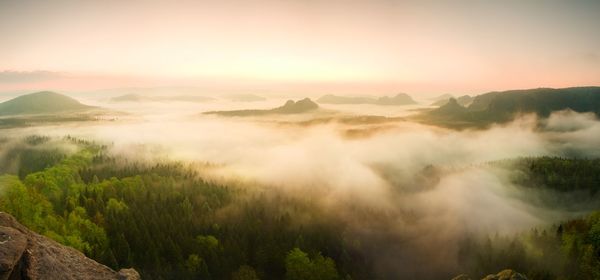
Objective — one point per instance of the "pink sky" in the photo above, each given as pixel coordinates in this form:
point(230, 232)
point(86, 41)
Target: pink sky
point(319, 46)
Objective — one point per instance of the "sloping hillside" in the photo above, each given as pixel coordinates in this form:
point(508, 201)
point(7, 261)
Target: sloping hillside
point(44, 102)
point(499, 107)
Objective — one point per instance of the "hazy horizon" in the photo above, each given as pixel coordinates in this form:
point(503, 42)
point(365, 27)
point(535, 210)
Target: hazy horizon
point(318, 47)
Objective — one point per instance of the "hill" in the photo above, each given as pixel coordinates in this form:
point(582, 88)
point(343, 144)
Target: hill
point(398, 99)
point(542, 101)
point(499, 107)
point(451, 108)
point(44, 102)
point(300, 106)
point(290, 107)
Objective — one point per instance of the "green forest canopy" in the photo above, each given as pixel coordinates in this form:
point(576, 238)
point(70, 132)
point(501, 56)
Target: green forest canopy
point(167, 222)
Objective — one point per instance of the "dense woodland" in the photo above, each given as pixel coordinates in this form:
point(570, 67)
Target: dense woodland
point(168, 222)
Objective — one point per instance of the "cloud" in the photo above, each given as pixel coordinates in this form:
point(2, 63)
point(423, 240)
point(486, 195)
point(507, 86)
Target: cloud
point(415, 215)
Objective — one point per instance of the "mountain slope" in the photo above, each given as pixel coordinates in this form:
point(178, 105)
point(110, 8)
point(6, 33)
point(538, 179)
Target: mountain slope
point(499, 107)
point(451, 108)
point(44, 102)
point(541, 101)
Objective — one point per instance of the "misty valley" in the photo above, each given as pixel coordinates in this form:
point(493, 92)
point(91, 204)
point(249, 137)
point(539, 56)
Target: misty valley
point(179, 185)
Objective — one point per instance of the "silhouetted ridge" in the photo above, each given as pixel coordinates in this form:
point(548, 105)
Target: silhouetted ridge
point(498, 107)
point(451, 107)
point(300, 106)
point(464, 100)
point(290, 107)
point(398, 99)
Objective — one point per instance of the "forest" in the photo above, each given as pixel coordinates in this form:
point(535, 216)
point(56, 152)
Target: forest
point(168, 222)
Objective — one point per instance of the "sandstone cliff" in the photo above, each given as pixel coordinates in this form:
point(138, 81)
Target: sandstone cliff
point(28, 255)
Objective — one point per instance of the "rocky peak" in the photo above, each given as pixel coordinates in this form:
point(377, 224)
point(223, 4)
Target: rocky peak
point(299, 106)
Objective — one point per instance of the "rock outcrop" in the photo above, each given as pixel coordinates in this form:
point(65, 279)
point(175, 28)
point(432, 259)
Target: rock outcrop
point(507, 274)
point(28, 255)
point(452, 107)
point(300, 106)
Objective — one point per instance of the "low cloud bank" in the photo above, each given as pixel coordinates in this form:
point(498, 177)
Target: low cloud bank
point(431, 184)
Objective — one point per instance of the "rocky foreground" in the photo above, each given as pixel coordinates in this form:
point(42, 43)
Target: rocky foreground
point(506, 274)
point(27, 255)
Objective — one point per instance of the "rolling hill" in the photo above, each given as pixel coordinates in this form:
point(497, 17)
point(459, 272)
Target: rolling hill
point(44, 102)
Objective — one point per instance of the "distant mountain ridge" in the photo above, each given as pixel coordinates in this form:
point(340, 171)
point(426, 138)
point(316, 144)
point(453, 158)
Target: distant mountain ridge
point(246, 98)
point(398, 99)
point(132, 97)
point(464, 100)
point(43, 102)
point(443, 97)
point(542, 101)
point(452, 107)
point(290, 107)
point(498, 107)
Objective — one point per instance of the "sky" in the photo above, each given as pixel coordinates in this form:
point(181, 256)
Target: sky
point(345, 46)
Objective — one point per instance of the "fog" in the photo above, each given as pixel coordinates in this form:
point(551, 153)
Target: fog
point(432, 184)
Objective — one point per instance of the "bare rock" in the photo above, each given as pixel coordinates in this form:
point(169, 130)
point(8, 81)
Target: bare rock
point(129, 274)
point(28, 255)
point(507, 274)
point(12, 246)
